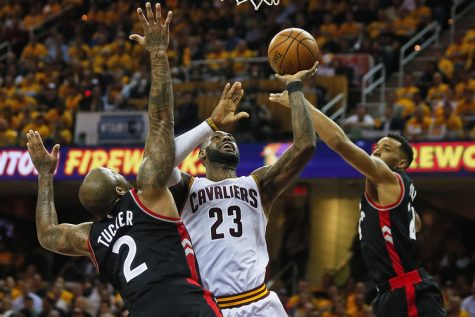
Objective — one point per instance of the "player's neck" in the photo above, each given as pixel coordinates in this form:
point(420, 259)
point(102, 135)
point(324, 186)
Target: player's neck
point(219, 172)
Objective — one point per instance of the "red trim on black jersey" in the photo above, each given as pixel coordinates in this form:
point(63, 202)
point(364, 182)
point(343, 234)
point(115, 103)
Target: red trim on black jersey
point(385, 224)
point(390, 206)
point(208, 297)
point(150, 212)
point(189, 252)
point(92, 256)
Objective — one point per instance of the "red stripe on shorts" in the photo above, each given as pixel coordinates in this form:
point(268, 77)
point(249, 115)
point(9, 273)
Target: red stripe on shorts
point(208, 298)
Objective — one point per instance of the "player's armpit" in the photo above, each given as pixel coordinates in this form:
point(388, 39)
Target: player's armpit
point(67, 239)
point(418, 223)
point(373, 168)
point(275, 179)
point(181, 190)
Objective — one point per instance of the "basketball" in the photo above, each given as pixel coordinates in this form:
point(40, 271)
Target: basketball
point(292, 50)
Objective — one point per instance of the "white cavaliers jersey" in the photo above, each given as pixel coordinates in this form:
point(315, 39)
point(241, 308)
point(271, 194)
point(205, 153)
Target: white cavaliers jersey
point(227, 226)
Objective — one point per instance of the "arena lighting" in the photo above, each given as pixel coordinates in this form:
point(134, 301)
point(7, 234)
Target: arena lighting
point(417, 47)
point(84, 17)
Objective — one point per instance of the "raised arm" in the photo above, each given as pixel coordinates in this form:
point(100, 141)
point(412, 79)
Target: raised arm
point(64, 238)
point(274, 179)
point(159, 152)
point(372, 167)
point(223, 117)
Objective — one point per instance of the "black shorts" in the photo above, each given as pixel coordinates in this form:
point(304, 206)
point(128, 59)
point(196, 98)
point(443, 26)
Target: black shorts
point(178, 298)
point(425, 300)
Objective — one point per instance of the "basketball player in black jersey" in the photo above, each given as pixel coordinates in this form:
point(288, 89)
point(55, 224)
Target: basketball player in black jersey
point(388, 222)
point(138, 243)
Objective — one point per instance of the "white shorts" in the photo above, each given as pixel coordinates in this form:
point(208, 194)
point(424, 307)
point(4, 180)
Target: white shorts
point(267, 307)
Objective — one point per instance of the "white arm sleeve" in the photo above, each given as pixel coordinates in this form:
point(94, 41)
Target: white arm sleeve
point(185, 144)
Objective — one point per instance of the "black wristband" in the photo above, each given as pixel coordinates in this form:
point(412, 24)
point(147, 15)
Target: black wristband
point(294, 86)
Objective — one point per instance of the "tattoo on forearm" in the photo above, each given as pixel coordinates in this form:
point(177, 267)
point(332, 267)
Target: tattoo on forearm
point(45, 210)
point(159, 153)
point(280, 175)
point(64, 239)
point(301, 121)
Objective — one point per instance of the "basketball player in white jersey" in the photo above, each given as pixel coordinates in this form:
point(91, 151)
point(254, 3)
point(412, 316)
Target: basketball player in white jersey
point(226, 215)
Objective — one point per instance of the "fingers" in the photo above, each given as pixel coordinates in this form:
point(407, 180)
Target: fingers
point(32, 139)
point(241, 115)
point(234, 88)
point(225, 91)
point(150, 17)
point(168, 20)
point(137, 38)
point(281, 77)
point(238, 97)
point(313, 70)
point(55, 151)
point(40, 141)
point(158, 13)
point(29, 143)
point(142, 18)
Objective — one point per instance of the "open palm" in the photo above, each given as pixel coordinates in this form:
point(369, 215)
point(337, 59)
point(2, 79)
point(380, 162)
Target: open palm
point(224, 115)
point(156, 35)
point(45, 163)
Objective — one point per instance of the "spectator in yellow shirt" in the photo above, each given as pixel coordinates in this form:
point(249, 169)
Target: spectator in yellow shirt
point(404, 26)
point(34, 50)
point(360, 308)
point(452, 122)
point(34, 17)
point(458, 51)
point(418, 126)
point(38, 124)
point(378, 27)
point(79, 49)
point(466, 108)
point(217, 52)
point(241, 51)
point(329, 29)
point(350, 29)
point(464, 83)
point(408, 89)
point(120, 61)
point(8, 136)
point(438, 91)
point(422, 14)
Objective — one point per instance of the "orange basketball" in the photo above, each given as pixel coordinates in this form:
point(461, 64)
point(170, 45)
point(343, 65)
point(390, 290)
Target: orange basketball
point(291, 51)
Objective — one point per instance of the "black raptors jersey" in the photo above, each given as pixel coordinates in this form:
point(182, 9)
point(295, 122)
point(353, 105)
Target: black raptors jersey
point(388, 234)
point(141, 253)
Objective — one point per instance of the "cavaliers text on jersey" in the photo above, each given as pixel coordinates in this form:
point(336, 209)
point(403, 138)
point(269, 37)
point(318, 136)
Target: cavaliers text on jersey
point(227, 224)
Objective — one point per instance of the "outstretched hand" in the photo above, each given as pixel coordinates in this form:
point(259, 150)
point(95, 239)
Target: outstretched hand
point(224, 115)
point(156, 35)
point(300, 76)
point(45, 163)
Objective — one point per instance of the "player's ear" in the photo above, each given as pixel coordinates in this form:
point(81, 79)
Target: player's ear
point(402, 164)
point(120, 191)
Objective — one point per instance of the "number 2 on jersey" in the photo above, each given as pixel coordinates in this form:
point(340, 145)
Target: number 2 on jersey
point(129, 273)
point(233, 211)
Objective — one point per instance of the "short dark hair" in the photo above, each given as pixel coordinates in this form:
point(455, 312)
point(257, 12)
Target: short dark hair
point(406, 148)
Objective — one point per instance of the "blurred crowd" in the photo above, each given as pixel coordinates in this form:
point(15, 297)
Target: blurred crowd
point(87, 63)
point(438, 104)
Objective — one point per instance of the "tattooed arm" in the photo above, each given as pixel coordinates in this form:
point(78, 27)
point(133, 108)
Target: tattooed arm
point(64, 238)
point(274, 179)
point(159, 152)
